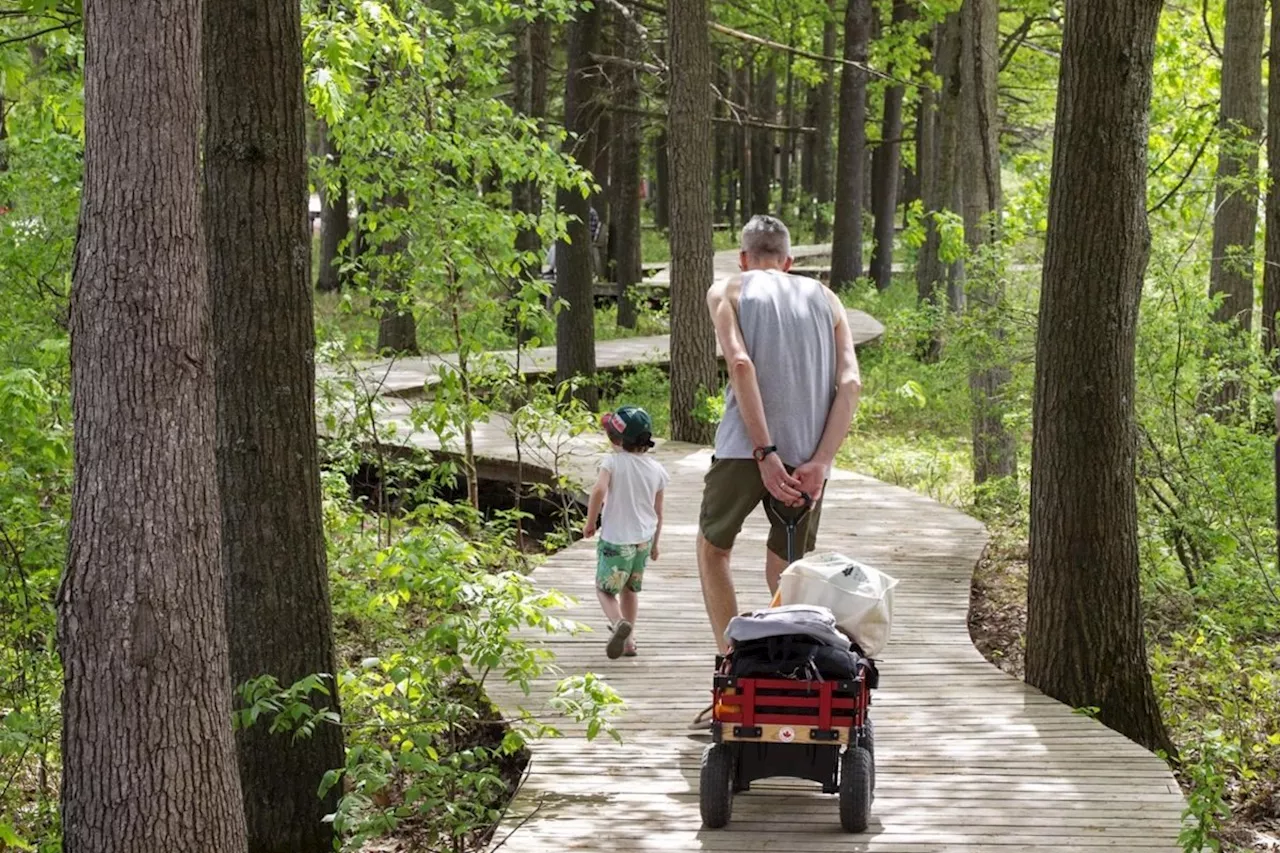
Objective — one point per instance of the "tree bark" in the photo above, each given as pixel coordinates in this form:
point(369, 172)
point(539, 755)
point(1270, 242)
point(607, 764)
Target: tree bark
point(995, 452)
point(273, 548)
point(822, 160)
point(335, 217)
point(693, 350)
point(148, 755)
point(626, 180)
point(846, 243)
point(944, 192)
point(885, 162)
point(765, 90)
point(1085, 644)
point(928, 262)
point(788, 138)
point(575, 324)
point(397, 327)
point(529, 96)
point(1271, 267)
point(661, 184)
point(1240, 124)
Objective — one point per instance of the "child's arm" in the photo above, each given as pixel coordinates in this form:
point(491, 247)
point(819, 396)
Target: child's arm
point(657, 507)
point(596, 503)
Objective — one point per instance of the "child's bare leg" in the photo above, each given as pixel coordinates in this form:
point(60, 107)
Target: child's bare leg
point(630, 608)
point(609, 604)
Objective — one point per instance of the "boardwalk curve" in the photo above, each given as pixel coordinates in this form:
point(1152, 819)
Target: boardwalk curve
point(969, 758)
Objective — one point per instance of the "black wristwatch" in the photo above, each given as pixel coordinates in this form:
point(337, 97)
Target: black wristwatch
point(761, 452)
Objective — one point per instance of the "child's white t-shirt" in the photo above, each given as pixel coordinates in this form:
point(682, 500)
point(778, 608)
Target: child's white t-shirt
point(634, 481)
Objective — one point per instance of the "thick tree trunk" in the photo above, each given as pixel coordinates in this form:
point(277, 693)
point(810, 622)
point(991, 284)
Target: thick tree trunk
point(765, 102)
point(626, 180)
point(846, 243)
point(822, 159)
point(1085, 645)
point(148, 755)
point(693, 348)
point(1240, 124)
point(575, 325)
point(884, 173)
point(335, 217)
point(1271, 267)
point(273, 548)
point(995, 452)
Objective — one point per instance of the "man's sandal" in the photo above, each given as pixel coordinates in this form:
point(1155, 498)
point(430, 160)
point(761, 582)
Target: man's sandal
point(617, 642)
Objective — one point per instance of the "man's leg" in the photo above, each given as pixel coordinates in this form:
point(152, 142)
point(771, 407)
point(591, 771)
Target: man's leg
point(718, 593)
point(731, 490)
point(774, 566)
point(804, 540)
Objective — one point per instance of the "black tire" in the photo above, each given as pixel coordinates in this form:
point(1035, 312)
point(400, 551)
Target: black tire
point(855, 789)
point(715, 785)
point(868, 742)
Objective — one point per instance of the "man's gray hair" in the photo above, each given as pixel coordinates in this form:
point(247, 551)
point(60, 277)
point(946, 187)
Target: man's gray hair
point(766, 237)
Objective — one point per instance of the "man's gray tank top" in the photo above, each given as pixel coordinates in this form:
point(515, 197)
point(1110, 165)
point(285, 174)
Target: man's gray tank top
point(789, 330)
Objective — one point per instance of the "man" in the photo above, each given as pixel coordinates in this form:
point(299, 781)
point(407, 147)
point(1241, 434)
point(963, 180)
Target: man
point(794, 386)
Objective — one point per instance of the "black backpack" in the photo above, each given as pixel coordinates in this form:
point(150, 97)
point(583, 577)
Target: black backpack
point(798, 656)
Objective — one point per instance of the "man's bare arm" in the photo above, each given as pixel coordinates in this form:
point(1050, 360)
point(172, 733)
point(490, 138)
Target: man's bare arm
point(848, 388)
point(742, 370)
point(746, 387)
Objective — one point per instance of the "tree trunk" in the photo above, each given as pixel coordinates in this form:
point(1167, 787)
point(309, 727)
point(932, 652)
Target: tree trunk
point(808, 151)
point(661, 184)
point(950, 143)
point(928, 262)
point(1085, 645)
point(273, 548)
point(693, 348)
point(788, 139)
point(397, 327)
point(846, 243)
point(995, 453)
point(765, 102)
point(884, 173)
point(626, 180)
point(529, 94)
point(335, 217)
point(744, 142)
point(1240, 124)
point(1271, 267)
point(822, 160)
point(148, 756)
point(575, 324)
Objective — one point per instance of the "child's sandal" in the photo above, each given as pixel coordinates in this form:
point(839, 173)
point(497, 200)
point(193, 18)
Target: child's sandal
point(629, 650)
point(617, 642)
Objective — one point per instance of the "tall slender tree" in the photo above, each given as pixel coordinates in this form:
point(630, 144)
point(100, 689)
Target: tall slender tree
point(1271, 267)
point(885, 166)
point(626, 177)
point(148, 756)
point(335, 216)
point(529, 97)
point(822, 160)
point(1240, 128)
point(575, 325)
point(1085, 645)
point(273, 548)
point(693, 348)
point(851, 157)
point(994, 447)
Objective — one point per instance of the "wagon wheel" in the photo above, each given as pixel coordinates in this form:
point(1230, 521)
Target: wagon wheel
point(855, 789)
point(715, 785)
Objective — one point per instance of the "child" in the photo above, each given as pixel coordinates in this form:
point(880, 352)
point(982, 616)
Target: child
point(630, 490)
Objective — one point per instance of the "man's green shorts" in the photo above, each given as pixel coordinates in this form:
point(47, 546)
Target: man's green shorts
point(620, 566)
point(731, 492)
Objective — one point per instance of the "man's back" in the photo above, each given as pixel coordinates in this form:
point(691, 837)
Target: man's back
point(789, 332)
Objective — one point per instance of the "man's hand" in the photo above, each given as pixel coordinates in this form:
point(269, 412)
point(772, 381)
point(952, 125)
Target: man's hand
point(811, 476)
point(778, 482)
point(589, 529)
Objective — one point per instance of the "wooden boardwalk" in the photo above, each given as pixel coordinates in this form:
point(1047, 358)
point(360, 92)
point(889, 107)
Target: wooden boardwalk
point(408, 376)
point(968, 758)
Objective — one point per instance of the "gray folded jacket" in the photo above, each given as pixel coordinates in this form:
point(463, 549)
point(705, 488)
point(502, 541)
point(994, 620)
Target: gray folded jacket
point(808, 620)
